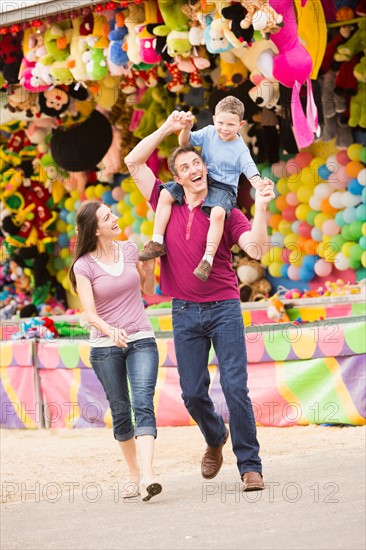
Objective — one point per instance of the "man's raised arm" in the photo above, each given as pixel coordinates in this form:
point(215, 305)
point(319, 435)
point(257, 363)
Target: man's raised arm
point(136, 159)
point(256, 241)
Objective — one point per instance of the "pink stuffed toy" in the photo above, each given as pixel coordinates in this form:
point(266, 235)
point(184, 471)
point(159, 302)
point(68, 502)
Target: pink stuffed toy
point(292, 67)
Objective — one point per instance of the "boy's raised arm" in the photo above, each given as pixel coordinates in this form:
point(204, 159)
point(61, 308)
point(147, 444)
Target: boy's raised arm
point(136, 159)
point(185, 133)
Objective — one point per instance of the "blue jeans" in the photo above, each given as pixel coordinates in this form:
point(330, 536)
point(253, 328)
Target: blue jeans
point(138, 364)
point(218, 194)
point(195, 326)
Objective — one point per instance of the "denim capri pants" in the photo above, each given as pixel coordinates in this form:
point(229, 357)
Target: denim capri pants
point(117, 369)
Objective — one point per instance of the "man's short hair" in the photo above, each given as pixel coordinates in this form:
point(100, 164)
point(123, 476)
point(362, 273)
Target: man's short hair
point(179, 151)
point(230, 104)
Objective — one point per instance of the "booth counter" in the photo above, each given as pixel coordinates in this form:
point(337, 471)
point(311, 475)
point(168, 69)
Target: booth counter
point(312, 373)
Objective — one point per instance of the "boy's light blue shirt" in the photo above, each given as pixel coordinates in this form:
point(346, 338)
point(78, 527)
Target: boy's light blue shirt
point(225, 160)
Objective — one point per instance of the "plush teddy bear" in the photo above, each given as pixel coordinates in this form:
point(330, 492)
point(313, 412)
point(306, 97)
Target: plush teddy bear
point(253, 286)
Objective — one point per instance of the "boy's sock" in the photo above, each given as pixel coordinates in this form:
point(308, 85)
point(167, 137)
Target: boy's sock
point(158, 238)
point(208, 258)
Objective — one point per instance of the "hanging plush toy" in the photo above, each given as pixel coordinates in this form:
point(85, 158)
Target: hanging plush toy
point(82, 147)
point(292, 66)
point(358, 102)
point(56, 101)
point(261, 16)
point(10, 57)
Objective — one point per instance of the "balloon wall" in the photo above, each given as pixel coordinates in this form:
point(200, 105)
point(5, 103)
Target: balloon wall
point(318, 219)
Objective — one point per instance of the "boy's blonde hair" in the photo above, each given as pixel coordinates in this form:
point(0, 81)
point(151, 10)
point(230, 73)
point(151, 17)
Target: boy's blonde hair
point(230, 104)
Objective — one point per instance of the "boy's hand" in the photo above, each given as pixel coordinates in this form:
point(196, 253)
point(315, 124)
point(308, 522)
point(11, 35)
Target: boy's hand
point(264, 193)
point(189, 120)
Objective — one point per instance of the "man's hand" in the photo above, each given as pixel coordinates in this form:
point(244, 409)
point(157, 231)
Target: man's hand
point(264, 193)
point(177, 121)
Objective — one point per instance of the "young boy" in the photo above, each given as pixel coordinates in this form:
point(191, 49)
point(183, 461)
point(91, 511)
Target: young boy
point(226, 156)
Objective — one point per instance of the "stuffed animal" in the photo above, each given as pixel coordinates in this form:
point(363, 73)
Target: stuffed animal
point(253, 286)
point(56, 41)
point(353, 46)
point(95, 58)
point(117, 51)
point(19, 100)
point(232, 71)
point(37, 78)
point(174, 18)
point(265, 93)
point(218, 36)
point(77, 47)
point(292, 66)
point(276, 310)
point(10, 57)
point(236, 14)
point(261, 16)
point(358, 102)
point(134, 16)
point(56, 101)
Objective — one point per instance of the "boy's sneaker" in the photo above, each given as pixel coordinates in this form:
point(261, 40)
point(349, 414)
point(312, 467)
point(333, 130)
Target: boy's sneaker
point(152, 250)
point(203, 270)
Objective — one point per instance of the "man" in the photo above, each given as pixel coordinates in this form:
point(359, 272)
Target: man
point(205, 313)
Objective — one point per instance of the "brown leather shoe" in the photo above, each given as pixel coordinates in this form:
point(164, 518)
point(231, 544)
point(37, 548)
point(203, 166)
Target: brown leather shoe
point(253, 481)
point(152, 250)
point(203, 270)
point(212, 460)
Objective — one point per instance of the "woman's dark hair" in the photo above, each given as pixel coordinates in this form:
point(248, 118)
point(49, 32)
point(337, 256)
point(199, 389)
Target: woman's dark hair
point(87, 225)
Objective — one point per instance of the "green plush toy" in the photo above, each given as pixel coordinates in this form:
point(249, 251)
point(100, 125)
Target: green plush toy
point(174, 18)
point(353, 46)
point(147, 124)
point(358, 102)
point(56, 41)
point(95, 59)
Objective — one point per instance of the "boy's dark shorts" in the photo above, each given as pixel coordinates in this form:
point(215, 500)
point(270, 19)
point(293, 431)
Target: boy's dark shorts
point(218, 194)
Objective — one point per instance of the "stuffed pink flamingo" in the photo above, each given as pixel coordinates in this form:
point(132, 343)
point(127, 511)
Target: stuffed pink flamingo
point(292, 66)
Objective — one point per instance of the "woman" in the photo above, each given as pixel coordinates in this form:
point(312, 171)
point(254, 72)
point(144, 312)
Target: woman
point(108, 278)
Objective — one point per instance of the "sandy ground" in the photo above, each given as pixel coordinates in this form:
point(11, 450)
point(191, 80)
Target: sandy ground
point(92, 456)
point(61, 490)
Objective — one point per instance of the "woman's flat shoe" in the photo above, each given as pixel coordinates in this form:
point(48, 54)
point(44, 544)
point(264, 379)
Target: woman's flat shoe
point(130, 490)
point(153, 488)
